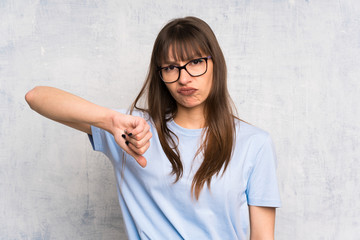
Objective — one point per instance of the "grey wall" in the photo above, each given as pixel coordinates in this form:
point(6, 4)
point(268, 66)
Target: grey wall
point(293, 70)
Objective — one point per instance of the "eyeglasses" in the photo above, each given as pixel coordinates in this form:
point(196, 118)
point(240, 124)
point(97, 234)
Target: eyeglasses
point(194, 68)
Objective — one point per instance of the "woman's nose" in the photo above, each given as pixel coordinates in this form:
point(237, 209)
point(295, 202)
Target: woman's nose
point(185, 77)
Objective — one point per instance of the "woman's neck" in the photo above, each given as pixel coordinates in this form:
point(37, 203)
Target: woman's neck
point(191, 118)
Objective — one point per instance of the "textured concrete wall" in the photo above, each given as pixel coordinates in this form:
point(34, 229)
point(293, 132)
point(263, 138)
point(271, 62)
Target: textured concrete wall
point(293, 70)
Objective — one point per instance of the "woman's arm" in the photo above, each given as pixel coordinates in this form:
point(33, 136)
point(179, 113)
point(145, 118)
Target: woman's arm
point(80, 114)
point(262, 223)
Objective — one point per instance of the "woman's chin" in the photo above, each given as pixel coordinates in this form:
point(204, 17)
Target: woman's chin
point(190, 105)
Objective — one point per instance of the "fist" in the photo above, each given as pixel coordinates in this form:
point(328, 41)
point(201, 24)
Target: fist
point(132, 134)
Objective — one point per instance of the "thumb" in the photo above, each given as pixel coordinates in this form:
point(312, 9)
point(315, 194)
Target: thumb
point(139, 158)
point(141, 161)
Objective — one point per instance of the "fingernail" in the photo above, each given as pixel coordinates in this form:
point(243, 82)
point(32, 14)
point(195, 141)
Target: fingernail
point(127, 143)
point(129, 134)
point(123, 135)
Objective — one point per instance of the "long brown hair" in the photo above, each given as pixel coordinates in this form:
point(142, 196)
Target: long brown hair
point(186, 38)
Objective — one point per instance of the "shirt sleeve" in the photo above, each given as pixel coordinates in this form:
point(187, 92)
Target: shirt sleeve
point(104, 142)
point(262, 188)
point(96, 139)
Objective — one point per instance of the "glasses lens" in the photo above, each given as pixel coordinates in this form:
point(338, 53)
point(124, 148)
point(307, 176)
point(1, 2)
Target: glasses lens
point(169, 74)
point(196, 67)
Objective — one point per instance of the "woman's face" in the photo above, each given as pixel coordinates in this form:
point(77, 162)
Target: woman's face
point(190, 92)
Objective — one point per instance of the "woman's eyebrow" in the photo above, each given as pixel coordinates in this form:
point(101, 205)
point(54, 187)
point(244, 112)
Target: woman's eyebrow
point(177, 63)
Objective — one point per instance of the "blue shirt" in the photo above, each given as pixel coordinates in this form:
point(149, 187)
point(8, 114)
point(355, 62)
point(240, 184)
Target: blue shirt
point(153, 207)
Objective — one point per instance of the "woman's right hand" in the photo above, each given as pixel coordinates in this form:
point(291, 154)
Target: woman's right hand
point(132, 134)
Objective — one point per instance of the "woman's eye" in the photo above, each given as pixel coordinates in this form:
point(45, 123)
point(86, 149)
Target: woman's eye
point(169, 68)
point(197, 61)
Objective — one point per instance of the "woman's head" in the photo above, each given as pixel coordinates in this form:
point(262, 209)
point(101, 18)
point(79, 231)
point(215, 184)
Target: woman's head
point(181, 40)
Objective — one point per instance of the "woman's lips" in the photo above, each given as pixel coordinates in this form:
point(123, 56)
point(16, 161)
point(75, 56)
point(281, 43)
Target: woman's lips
point(186, 91)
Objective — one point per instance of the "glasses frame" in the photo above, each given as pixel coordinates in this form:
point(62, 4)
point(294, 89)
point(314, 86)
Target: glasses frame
point(184, 67)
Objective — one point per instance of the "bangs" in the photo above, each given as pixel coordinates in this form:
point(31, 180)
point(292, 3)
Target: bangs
point(182, 45)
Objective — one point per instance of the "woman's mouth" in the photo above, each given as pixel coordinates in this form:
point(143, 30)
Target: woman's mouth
point(186, 91)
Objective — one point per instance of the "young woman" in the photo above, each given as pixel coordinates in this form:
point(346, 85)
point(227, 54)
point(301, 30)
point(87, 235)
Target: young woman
point(186, 167)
